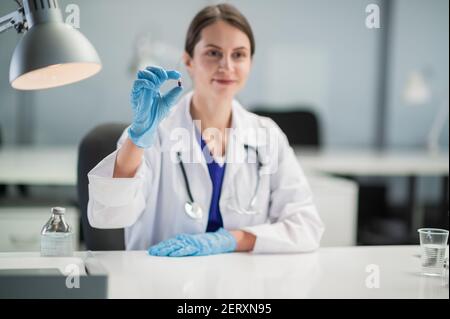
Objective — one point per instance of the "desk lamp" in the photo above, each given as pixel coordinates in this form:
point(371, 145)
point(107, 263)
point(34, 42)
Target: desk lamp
point(50, 53)
point(417, 92)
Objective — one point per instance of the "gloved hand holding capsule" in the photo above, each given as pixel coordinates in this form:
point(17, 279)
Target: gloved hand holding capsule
point(149, 106)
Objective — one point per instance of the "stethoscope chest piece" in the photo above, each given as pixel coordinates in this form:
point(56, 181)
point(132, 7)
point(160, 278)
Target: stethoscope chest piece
point(193, 210)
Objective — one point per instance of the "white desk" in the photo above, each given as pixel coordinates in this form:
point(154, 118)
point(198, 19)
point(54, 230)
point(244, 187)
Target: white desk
point(327, 273)
point(56, 166)
point(371, 163)
point(403, 163)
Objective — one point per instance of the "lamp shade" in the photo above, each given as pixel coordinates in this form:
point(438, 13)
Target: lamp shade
point(416, 91)
point(51, 53)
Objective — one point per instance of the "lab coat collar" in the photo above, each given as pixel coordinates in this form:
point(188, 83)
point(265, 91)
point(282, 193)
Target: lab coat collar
point(242, 121)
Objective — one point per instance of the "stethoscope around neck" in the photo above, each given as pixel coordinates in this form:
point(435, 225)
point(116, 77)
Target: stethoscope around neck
point(194, 210)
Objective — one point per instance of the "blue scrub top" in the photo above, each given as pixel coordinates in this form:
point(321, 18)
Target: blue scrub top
point(216, 172)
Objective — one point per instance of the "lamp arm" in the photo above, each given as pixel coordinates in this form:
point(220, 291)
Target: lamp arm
point(438, 125)
point(15, 20)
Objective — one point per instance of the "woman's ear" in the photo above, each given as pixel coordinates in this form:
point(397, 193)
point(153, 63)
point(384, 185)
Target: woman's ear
point(188, 62)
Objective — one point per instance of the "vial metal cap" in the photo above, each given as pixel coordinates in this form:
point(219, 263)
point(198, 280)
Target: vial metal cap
point(58, 210)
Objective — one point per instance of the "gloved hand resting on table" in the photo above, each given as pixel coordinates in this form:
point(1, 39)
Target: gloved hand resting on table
point(149, 106)
point(218, 242)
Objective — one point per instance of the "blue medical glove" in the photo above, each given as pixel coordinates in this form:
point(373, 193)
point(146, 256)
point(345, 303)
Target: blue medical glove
point(149, 106)
point(196, 245)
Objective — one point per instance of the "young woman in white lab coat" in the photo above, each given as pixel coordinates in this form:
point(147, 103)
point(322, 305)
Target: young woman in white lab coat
point(161, 190)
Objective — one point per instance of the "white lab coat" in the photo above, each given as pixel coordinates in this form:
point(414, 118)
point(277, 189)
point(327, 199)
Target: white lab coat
point(150, 206)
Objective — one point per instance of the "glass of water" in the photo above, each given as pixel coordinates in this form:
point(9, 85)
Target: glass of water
point(433, 242)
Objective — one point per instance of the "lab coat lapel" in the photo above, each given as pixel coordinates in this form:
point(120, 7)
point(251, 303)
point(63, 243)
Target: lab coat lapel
point(192, 156)
point(190, 148)
point(236, 155)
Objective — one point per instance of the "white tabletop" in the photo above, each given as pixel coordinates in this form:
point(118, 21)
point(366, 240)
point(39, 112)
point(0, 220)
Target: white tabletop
point(372, 163)
point(328, 273)
point(40, 165)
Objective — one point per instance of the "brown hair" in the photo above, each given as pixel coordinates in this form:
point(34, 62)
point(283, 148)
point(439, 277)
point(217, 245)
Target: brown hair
point(211, 14)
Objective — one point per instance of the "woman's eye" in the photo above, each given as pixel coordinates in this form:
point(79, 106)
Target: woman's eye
point(239, 55)
point(213, 53)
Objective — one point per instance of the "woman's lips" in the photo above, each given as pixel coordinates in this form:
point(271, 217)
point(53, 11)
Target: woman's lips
point(224, 82)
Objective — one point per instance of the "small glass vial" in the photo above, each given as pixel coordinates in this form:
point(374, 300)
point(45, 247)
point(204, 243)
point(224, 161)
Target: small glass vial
point(56, 236)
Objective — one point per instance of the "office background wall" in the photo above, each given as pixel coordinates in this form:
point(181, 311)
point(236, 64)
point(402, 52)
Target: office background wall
point(418, 42)
point(310, 53)
point(315, 53)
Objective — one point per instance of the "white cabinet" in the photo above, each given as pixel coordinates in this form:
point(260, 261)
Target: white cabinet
point(20, 227)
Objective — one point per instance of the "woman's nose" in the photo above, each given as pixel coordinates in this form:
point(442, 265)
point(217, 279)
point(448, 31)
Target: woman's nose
point(226, 63)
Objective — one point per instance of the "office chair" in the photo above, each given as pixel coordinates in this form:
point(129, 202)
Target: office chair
point(95, 146)
point(301, 127)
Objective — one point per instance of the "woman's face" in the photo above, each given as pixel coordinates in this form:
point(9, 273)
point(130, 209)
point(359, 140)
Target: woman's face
point(221, 62)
